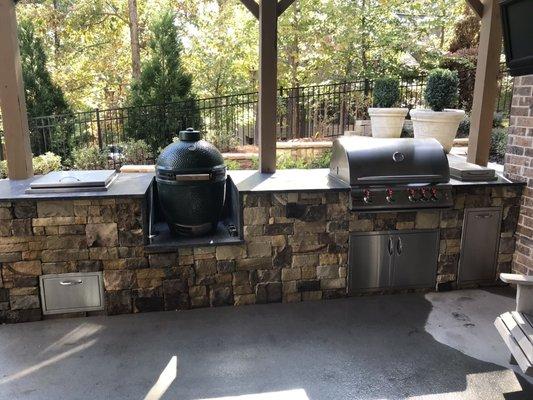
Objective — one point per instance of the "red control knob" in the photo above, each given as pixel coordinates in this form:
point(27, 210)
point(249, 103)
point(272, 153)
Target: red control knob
point(425, 194)
point(389, 195)
point(367, 197)
point(411, 195)
point(434, 194)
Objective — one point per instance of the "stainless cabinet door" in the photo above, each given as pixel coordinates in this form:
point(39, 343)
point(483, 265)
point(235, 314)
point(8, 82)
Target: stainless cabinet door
point(415, 259)
point(479, 244)
point(72, 292)
point(370, 261)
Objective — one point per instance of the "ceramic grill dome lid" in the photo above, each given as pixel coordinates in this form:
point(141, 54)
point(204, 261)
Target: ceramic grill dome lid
point(189, 154)
point(191, 184)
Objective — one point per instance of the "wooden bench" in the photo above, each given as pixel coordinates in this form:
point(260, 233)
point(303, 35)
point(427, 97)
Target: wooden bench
point(516, 327)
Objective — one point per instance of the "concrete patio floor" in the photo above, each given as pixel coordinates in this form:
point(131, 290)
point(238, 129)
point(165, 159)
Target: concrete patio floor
point(417, 346)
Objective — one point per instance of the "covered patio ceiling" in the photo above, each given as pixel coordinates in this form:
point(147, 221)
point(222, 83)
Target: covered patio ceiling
point(13, 103)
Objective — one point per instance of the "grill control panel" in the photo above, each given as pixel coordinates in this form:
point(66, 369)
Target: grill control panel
point(401, 197)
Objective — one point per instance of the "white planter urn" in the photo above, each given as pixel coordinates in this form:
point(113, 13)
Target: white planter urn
point(440, 125)
point(387, 122)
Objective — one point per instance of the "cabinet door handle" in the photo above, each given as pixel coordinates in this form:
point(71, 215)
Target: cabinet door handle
point(71, 282)
point(391, 246)
point(399, 246)
point(483, 216)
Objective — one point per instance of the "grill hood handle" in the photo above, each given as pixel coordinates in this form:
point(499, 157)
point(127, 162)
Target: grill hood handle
point(193, 177)
point(401, 178)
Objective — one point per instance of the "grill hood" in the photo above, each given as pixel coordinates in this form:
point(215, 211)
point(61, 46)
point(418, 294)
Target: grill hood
point(360, 161)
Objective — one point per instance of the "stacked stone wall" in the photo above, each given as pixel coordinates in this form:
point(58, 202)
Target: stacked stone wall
point(296, 249)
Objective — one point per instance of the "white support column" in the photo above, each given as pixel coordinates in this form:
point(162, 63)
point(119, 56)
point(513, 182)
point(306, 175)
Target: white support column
point(485, 88)
point(12, 99)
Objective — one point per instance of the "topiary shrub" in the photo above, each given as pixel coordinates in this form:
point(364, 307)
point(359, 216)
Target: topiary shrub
point(464, 62)
point(386, 92)
point(46, 163)
point(89, 158)
point(441, 89)
point(136, 152)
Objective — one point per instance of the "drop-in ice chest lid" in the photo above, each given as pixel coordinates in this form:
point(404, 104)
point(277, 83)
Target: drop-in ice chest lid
point(99, 179)
point(462, 170)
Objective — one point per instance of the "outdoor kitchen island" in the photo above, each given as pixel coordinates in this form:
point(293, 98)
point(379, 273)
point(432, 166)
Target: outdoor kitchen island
point(293, 239)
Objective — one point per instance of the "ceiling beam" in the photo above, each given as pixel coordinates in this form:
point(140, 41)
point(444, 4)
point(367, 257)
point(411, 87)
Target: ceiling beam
point(476, 6)
point(283, 5)
point(252, 6)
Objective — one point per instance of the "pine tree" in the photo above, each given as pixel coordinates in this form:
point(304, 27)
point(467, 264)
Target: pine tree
point(43, 96)
point(161, 100)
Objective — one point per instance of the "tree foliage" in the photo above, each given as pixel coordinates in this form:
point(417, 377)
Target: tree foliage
point(164, 89)
point(462, 56)
point(89, 46)
point(87, 43)
point(465, 32)
point(43, 96)
point(222, 50)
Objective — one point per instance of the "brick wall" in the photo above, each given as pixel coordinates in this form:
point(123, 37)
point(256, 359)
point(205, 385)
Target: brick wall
point(519, 166)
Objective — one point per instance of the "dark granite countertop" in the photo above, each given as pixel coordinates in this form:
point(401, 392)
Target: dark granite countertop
point(136, 185)
point(132, 185)
point(309, 180)
point(286, 180)
point(500, 181)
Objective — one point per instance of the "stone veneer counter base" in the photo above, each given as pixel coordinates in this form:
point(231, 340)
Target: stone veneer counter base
point(295, 225)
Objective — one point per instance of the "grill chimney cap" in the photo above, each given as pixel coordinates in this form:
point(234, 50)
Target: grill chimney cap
point(189, 135)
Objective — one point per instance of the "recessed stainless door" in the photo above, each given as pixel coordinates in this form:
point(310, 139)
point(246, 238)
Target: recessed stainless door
point(74, 292)
point(479, 244)
point(415, 259)
point(370, 261)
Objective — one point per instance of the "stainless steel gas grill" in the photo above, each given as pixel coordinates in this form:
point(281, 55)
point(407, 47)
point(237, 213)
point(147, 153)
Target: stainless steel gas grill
point(392, 174)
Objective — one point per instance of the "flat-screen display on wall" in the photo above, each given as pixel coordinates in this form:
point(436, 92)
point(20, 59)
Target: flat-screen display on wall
point(517, 25)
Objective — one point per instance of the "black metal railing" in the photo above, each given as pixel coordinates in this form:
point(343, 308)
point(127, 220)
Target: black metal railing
point(309, 111)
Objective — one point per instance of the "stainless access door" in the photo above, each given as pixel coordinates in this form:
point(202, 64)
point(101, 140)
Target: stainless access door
point(370, 261)
point(415, 259)
point(479, 245)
